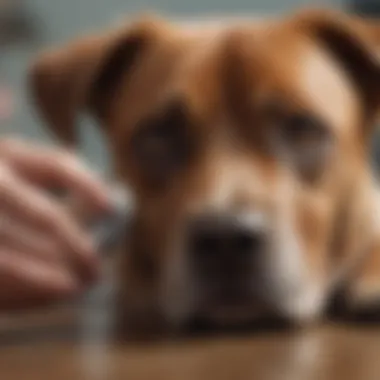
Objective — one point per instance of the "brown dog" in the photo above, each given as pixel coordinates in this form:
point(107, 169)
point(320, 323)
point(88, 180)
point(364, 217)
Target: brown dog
point(247, 145)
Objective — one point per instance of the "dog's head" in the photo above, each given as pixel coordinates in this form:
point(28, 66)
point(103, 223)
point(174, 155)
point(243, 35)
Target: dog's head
point(247, 146)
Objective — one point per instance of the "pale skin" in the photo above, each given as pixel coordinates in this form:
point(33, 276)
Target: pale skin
point(45, 255)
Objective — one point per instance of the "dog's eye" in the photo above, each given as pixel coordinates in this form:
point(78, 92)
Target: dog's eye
point(306, 141)
point(161, 144)
point(303, 131)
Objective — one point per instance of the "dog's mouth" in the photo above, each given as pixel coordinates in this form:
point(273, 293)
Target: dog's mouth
point(234, 308)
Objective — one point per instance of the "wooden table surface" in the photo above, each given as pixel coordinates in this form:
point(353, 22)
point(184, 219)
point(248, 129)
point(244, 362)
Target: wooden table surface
point(32, 349)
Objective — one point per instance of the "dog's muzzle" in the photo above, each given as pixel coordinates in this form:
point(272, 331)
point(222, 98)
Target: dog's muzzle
point(225, 251)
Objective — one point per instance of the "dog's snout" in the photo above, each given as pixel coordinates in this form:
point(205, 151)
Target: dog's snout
point(231, 237)
point(224, 251)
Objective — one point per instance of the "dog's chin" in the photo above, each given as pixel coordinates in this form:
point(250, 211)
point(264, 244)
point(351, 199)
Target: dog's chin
point(236, 323)
point(236, 319)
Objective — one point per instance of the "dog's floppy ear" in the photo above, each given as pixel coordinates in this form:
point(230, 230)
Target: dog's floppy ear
point(83, 75)
point(354, 43)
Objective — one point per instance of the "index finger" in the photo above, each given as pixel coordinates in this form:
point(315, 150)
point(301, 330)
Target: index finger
point(55, 168)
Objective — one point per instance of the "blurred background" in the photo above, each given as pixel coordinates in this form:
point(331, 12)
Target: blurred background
point(28, 26)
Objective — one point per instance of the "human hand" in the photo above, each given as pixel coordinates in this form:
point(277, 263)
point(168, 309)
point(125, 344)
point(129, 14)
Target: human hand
point(45, 255)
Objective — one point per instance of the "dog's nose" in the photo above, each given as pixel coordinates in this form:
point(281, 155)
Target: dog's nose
point(228, 237)
point(225, 251)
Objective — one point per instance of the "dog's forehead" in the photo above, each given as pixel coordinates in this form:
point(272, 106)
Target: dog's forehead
point(273, 60)
point(277, 60)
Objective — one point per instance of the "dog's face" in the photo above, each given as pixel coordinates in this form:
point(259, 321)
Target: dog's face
point(243, 143)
